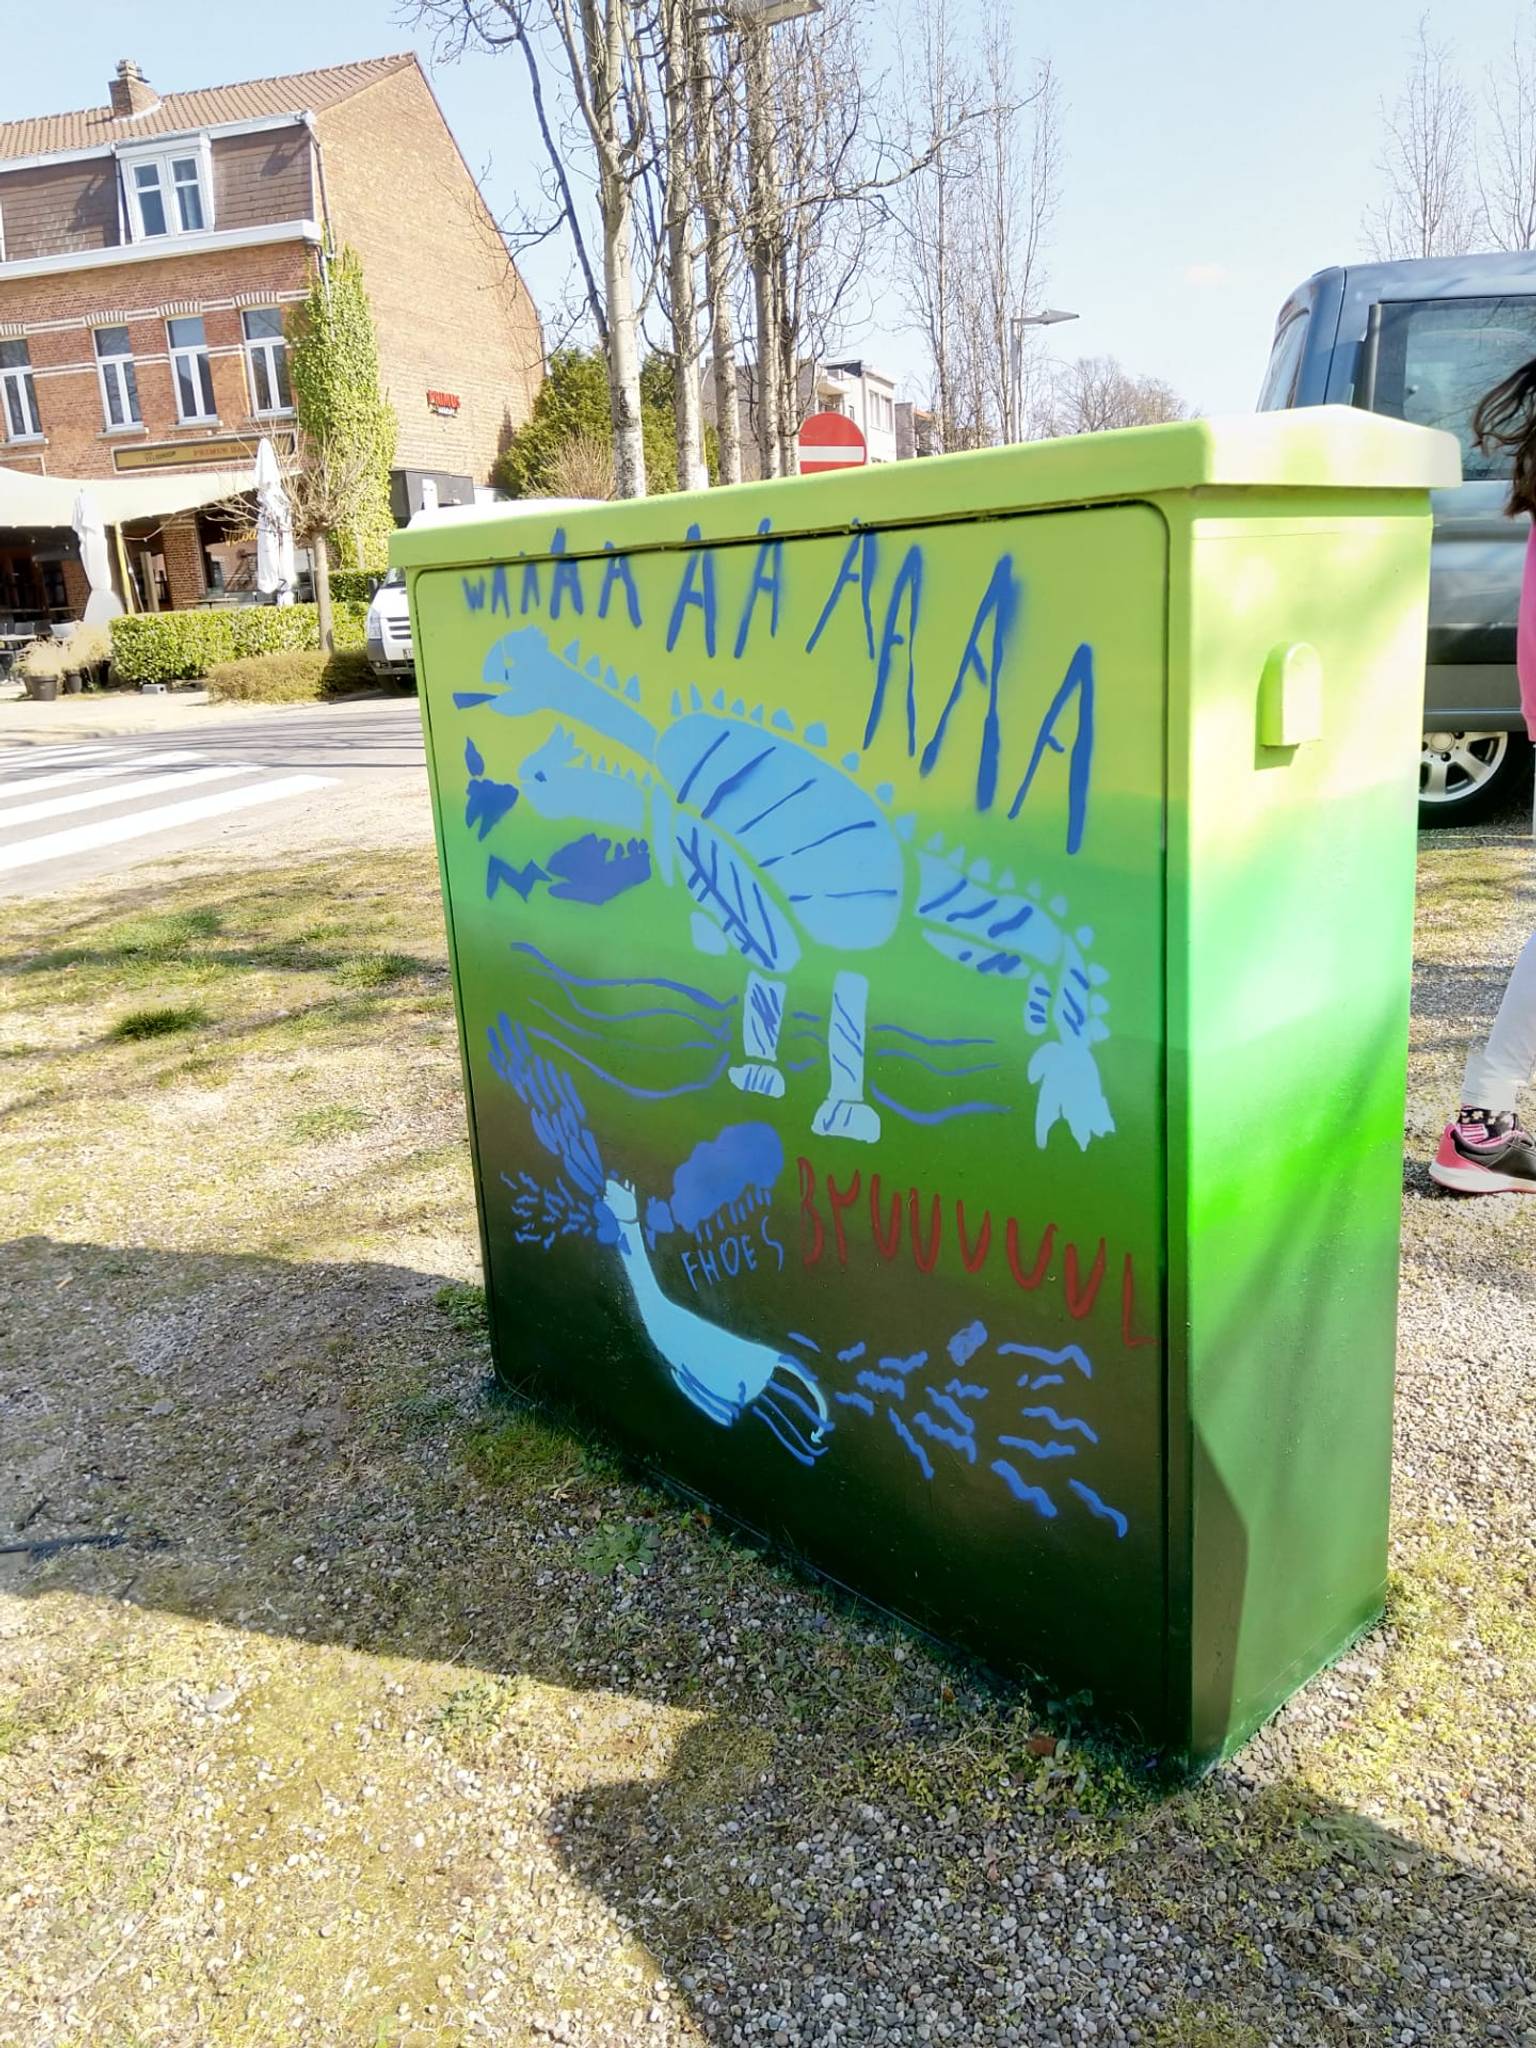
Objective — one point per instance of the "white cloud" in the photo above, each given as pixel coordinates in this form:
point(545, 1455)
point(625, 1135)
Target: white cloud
point(1206, 273)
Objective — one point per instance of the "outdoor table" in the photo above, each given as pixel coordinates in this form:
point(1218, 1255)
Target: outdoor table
point(932, 947)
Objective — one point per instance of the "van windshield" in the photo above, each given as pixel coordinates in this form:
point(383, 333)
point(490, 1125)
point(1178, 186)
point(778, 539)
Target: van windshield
point(1284, 373)
point(1436, 358)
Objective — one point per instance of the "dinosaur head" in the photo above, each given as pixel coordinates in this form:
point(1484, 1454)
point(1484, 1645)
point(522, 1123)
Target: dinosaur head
point(526, 675)
point(559, 779)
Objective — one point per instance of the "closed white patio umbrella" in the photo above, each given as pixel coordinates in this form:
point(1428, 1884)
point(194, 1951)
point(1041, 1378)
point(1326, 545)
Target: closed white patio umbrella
point(103, 602)
point(275, 571)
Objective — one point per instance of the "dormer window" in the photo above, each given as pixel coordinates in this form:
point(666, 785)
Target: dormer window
point(168, 191)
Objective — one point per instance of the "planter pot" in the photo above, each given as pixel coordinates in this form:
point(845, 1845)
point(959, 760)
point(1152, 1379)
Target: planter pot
point(74, 682)
point(42, 689)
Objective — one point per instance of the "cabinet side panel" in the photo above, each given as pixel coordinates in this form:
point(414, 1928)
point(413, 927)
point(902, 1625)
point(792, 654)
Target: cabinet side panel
point(1290, 941)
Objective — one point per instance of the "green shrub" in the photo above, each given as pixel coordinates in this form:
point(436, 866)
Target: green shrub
point(179, 647)
point(297, 678)
point(356, 586)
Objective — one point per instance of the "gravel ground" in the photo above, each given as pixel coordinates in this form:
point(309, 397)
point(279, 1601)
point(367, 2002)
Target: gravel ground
point(388, 1715)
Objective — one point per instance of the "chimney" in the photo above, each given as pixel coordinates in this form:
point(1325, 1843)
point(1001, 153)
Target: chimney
point(130, 91)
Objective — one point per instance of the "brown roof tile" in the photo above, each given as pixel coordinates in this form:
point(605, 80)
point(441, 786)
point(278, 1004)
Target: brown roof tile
point(257, 99)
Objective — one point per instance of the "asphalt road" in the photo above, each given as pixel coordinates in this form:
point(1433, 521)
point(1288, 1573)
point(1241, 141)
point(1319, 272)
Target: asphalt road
point(75, 810)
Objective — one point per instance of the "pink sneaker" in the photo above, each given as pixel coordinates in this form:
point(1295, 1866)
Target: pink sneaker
point(1482, 1154)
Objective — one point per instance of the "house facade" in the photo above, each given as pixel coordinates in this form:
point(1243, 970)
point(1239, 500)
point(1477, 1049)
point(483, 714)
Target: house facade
point(152, 251)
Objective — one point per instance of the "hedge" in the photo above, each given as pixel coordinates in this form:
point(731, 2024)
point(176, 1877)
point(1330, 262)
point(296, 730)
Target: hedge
point(355, 586)
point(306, 678)
point(178, 647)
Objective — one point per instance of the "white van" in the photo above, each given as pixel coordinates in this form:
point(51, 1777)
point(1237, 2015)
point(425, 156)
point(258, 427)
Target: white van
point(388, 624)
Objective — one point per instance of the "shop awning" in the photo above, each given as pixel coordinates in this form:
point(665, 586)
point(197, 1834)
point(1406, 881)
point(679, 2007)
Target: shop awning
point(27, 500)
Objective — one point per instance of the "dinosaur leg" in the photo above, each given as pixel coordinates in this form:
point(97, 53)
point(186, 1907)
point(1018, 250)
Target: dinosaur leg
point(762, 1014)
point(845, 1113)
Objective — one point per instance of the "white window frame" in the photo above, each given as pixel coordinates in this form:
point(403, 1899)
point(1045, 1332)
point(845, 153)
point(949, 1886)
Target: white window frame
point(164, 157)
point(268, 346)
point(201, 376)
point(110, 377)
point(18, 382)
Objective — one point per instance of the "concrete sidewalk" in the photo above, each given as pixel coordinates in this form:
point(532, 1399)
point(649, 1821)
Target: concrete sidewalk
point(105, 714)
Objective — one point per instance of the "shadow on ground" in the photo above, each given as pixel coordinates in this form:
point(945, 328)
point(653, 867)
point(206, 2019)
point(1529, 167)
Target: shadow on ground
point(805, 1826)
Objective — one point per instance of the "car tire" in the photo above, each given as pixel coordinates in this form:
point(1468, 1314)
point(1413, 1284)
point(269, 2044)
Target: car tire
point(1466, 777)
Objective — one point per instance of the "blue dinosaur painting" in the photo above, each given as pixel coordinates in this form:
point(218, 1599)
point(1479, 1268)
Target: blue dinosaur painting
point(779, 848)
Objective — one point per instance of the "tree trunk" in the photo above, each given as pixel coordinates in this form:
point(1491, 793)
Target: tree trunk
point(320, 561)
point(691, 472)
point(604, 42)
point(763, 240)
point(709, 150)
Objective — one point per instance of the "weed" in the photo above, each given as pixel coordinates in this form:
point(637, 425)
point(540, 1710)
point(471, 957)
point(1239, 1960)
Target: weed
point(464, 1306)
point(335, 1120)
point(420, 1414)
point(159, 1022)
point(618, 1546)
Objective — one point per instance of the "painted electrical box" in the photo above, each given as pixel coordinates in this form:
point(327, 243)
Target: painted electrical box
point(932, 950)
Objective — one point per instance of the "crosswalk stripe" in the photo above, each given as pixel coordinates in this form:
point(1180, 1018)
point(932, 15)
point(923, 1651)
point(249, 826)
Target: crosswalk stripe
point(12, 786)
point(25, 759)
point(163, 818)
point(115, 793)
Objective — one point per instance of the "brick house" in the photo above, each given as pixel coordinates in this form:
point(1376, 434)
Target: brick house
point(150, 251)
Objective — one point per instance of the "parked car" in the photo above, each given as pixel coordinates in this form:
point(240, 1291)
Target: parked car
point(387, 627)
point(1422, 341)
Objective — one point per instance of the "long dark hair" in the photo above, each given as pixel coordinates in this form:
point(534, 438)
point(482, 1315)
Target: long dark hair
point(1506, 418)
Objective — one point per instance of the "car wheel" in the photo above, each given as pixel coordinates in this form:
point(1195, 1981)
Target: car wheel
point(1467, 776)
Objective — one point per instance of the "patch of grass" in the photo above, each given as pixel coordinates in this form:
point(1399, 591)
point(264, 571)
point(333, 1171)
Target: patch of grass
point(1189, 2025)
point(166, 935)
point(160, 1022)
point(524, 1454)
point(377, 970)
point(464, 1306)
point(419, 1414)
point(335, 1120)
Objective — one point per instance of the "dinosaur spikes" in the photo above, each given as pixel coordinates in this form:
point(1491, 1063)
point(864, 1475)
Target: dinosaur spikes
point(595, 668)
point(632, 689)
point(850, 762)
point(905, 826)
point(957, 858)
point(611, 680)
point(572, 654)
point(1058, 906)
point(782, 722)
point(980, 871)
point(1084, 936)
point(693, 692)
point(757, 714)
point(677, 703)
point(739, 708)
point(936, 843)
point(718, 700)
point(885, 794)
point(1005, 879)
point(816, 735)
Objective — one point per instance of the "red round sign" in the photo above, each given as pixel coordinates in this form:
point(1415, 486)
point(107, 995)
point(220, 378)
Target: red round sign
point(830, 440)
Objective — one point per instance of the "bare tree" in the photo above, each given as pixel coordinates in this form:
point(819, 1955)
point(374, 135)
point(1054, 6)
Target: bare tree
point(1426, 207)
point(974, 218)
point(1506, 156)
point(591, 51)
point(1096, 394)
point(714, 138)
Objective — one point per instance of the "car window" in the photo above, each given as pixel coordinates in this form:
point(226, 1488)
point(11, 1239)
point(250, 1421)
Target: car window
point(1284, 372)
point(1436, 358)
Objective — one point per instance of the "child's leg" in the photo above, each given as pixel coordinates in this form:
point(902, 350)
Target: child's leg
point(1498, 1070)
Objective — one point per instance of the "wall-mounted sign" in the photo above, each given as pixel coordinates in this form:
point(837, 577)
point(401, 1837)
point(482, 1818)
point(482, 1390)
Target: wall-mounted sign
point(229, 451)
point(445, 402)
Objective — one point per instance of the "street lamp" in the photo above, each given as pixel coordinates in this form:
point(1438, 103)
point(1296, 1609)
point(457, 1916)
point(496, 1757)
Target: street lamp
point(1048, 316)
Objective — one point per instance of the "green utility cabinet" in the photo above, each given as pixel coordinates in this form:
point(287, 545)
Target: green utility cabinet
point(932, 951)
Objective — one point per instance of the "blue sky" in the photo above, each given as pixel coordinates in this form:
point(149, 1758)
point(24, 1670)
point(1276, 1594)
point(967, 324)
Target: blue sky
point(1216, 151)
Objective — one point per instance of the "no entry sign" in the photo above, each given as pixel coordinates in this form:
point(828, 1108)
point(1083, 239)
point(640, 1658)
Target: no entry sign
point(830, 440)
